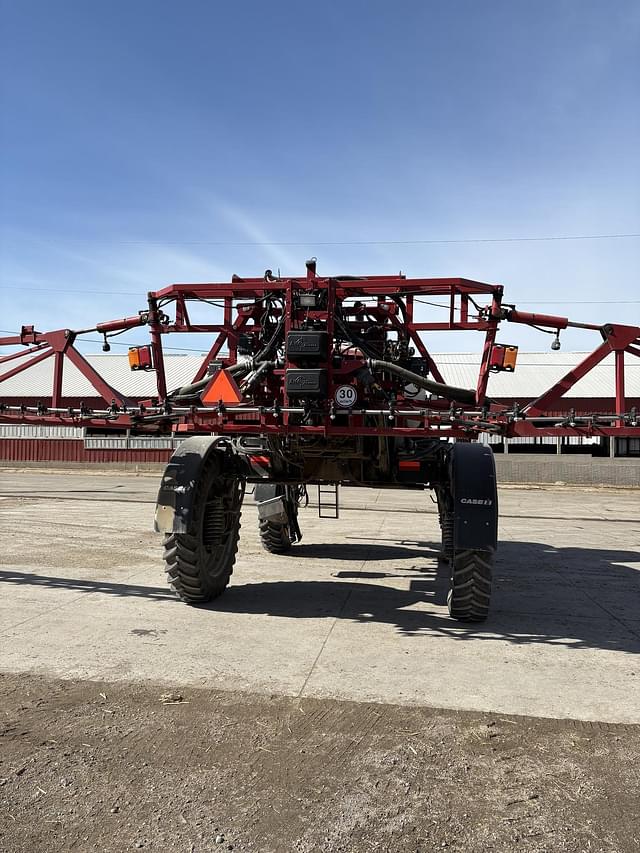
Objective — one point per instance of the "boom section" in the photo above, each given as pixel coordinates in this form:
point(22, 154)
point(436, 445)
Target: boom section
point(320, 356)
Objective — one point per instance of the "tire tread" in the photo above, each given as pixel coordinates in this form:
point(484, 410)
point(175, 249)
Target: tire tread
point(275, 537)
point(470, 593)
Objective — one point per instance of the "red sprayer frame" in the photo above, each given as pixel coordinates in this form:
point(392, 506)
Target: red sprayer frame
point(471, 306)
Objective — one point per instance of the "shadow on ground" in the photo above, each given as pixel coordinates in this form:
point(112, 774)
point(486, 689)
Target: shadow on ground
point(574, 597)
point(356, 552)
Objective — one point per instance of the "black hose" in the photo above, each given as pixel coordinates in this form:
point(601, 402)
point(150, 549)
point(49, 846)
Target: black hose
point(401, 306)
point(349, 335)
point(462, 395)
point(267, 349)
point(257, 373)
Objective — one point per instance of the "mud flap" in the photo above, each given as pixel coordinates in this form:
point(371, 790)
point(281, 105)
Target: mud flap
point(175, 497)
point(273, 509)
point(276, 505)
point(475, 497)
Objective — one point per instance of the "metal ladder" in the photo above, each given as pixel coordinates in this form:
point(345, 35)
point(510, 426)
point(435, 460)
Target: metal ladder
point(328, 505)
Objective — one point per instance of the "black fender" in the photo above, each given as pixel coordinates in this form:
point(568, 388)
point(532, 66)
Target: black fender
point(472, 477)
point(177, 488)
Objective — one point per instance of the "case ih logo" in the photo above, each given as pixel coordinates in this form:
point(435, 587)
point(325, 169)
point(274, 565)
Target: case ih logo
point(477, 501)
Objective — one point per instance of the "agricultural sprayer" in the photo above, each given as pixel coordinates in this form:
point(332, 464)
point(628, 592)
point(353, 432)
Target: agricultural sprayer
point(324, 381)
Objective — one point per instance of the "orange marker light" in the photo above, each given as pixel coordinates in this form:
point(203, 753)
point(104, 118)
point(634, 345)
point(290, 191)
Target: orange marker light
point(223, 388)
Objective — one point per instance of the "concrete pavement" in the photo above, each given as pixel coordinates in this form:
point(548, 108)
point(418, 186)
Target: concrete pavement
point(356, 611)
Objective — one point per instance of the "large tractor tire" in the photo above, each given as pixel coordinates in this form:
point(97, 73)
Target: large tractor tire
point(199, 562)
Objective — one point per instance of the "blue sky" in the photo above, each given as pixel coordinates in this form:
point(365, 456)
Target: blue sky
point(136, 135)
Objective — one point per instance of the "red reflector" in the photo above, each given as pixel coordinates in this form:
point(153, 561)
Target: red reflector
point(408, 465)
point(223, 388)
point(260, 460)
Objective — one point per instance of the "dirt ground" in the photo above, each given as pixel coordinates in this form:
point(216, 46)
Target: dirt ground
point(93, 766)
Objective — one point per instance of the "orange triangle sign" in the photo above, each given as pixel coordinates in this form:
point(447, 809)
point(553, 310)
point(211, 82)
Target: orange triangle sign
point(222, 388)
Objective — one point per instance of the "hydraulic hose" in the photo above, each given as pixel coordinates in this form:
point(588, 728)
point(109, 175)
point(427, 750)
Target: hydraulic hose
point(462, 395)
point(252, 378)
point(356, 340)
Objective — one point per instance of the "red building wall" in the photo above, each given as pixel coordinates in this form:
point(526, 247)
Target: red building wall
point(72, 450)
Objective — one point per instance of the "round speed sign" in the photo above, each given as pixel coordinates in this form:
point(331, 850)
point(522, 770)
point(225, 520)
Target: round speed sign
point(345, 396)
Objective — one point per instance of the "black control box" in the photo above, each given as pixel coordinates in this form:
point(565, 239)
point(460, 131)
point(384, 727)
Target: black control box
point(308, 343)
point(306, 383)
